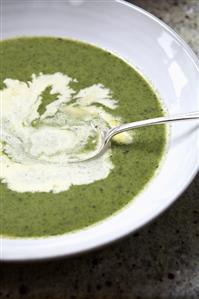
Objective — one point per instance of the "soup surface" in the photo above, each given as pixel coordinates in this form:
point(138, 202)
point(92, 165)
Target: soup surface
point(49, 197)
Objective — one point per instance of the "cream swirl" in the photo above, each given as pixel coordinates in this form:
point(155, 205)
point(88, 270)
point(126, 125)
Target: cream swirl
point(38, 140)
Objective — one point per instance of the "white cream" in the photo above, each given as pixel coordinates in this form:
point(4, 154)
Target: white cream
point(36, 150)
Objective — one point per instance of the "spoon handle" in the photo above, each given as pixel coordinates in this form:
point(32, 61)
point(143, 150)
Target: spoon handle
point(153, 121)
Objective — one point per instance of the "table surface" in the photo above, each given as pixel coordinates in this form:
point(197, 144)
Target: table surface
point(160, 261)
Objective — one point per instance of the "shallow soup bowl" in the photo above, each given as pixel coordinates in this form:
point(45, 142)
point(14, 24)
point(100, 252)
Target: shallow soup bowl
point(164, 59)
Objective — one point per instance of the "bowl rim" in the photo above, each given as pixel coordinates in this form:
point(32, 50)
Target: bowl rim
point(46, 256)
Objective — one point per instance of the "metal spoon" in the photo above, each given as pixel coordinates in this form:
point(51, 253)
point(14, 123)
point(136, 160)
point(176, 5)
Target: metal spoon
point(106, 136)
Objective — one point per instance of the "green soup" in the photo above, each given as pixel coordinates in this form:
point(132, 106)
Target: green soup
point(29, 214)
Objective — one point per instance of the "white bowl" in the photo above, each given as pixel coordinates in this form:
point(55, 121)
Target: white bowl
point(162, 56)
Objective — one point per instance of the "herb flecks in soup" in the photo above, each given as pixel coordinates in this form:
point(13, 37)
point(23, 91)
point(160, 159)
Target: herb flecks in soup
point(38, 143)
point(37, 135)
